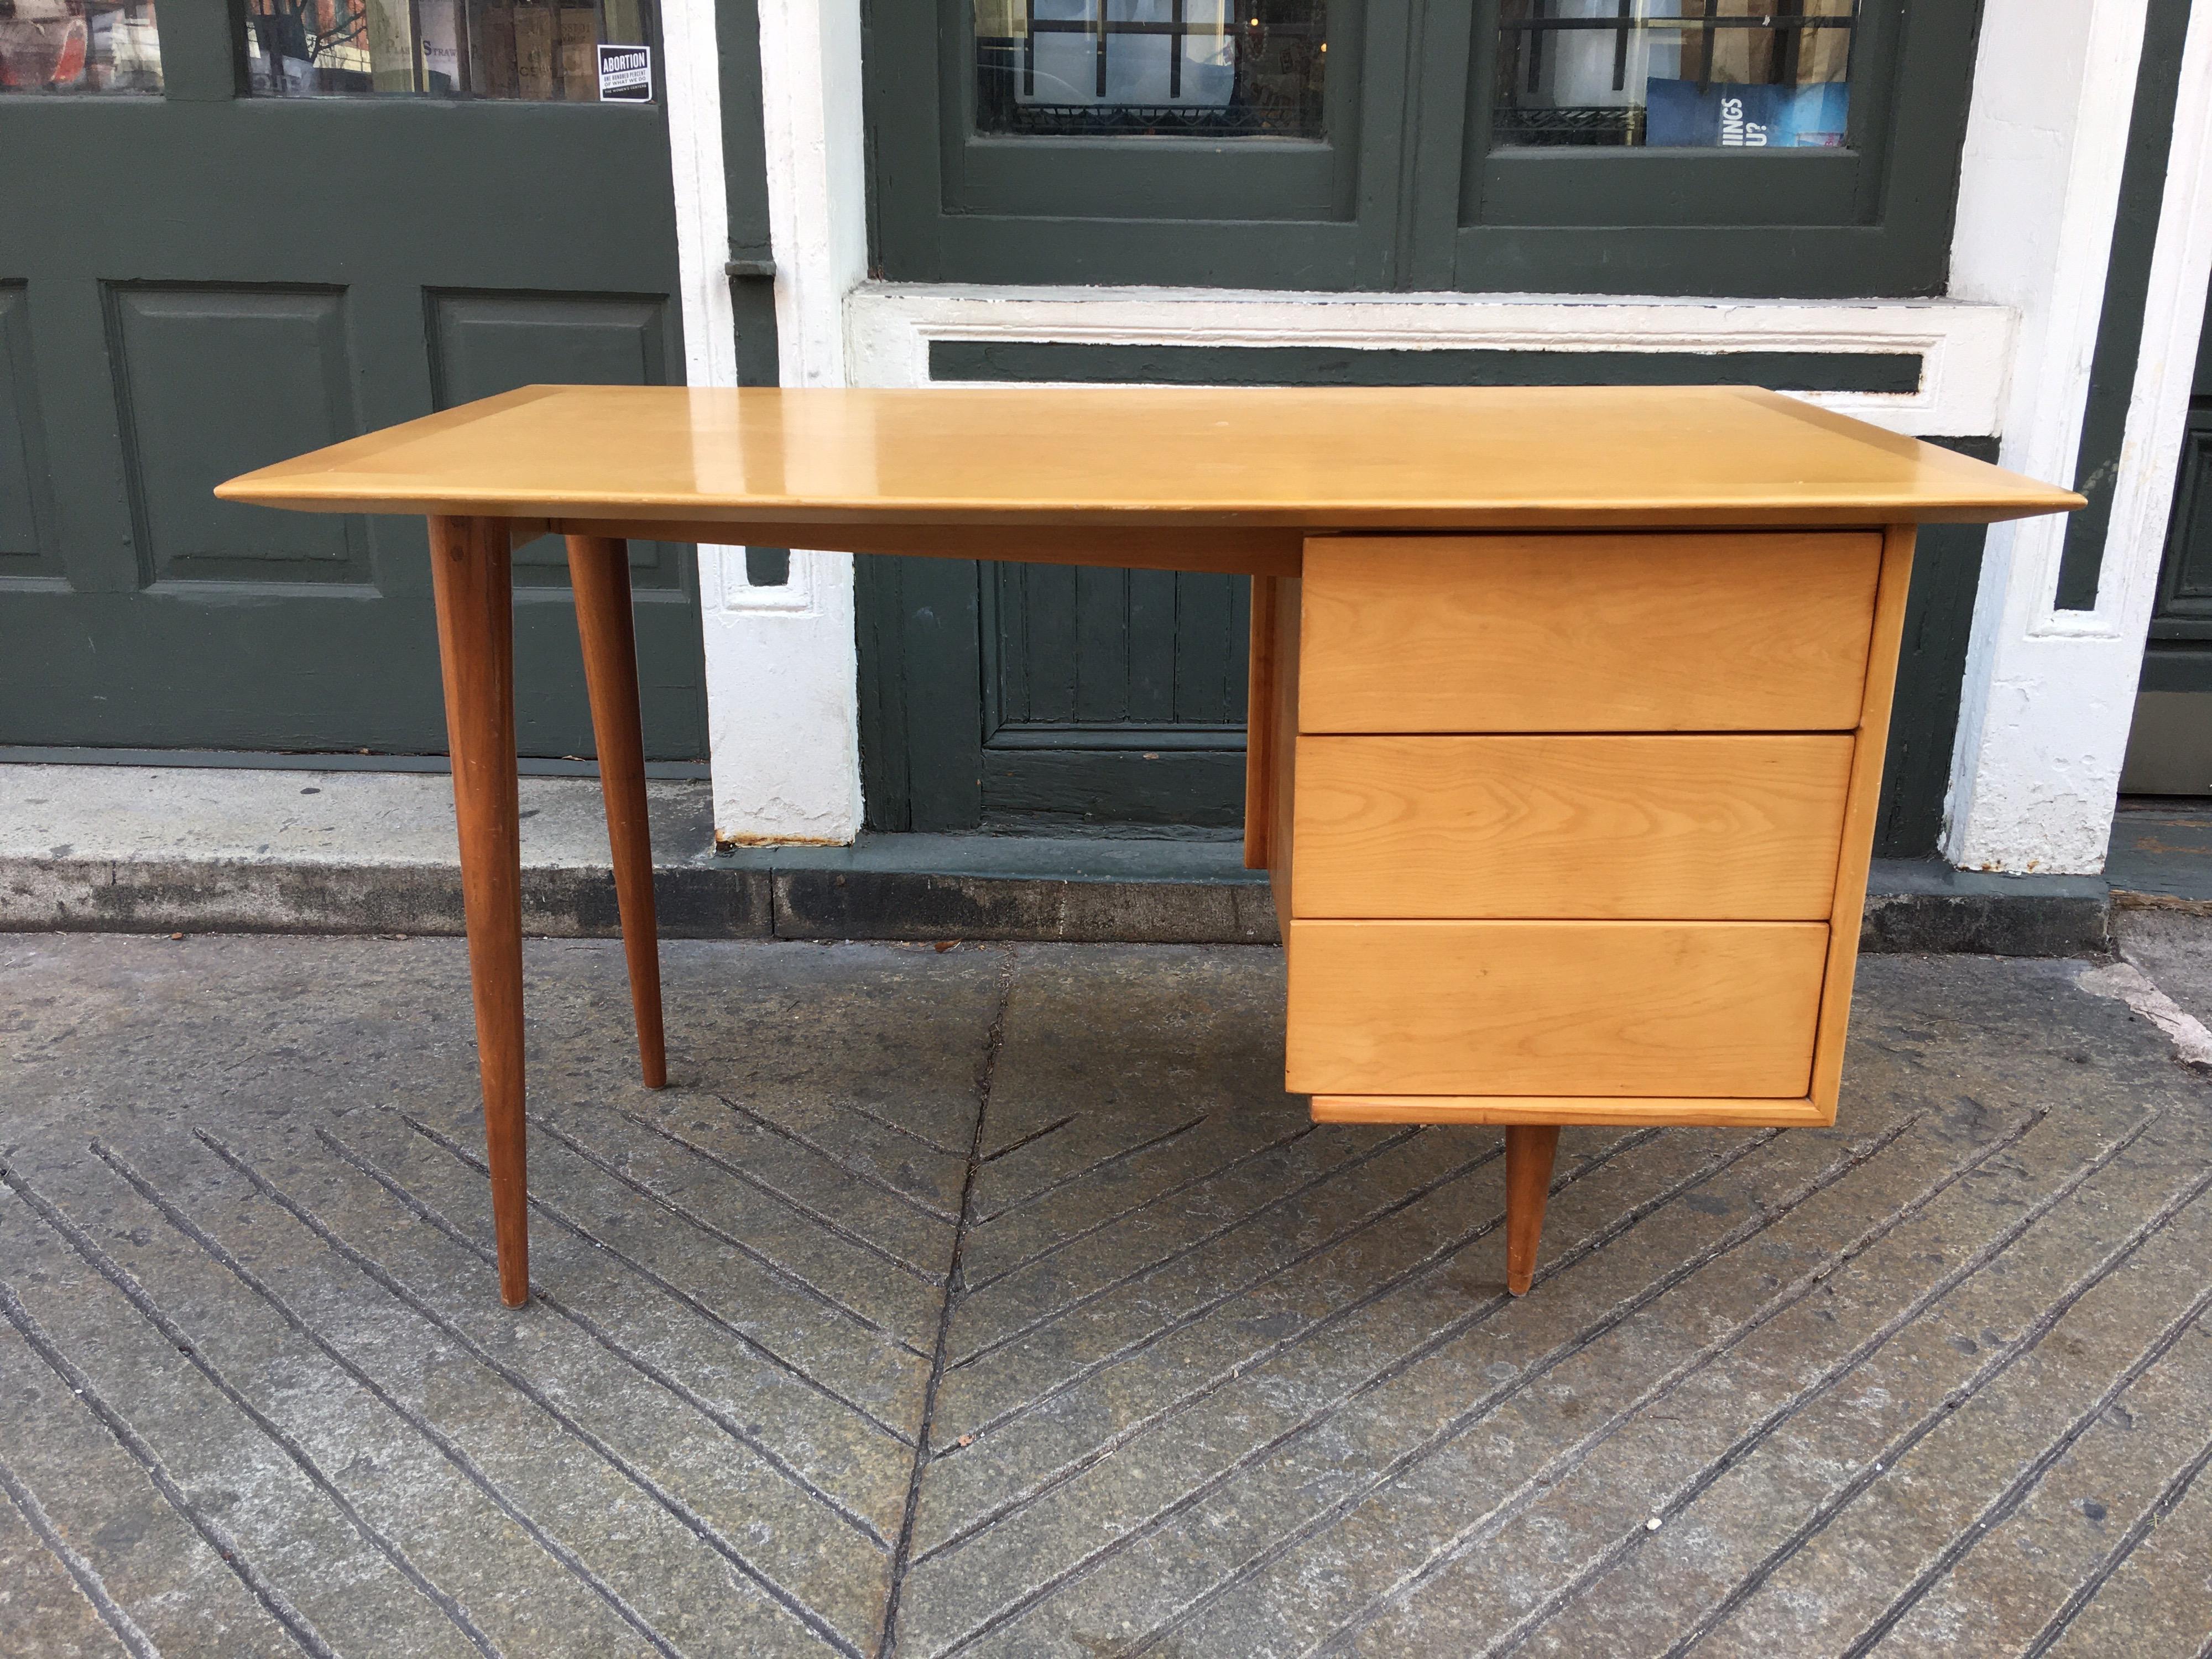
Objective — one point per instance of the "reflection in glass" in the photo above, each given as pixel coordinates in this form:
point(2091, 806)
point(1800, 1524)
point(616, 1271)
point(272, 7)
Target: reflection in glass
point(535, 49)
point(79, 45)
point(1213, 67)
point(1704, 74)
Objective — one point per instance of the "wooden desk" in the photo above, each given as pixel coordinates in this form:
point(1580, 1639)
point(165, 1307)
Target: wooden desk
point(1568, 706)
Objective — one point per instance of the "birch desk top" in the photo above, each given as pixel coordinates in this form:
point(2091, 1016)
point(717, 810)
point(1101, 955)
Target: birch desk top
point(1568, 705)
point(1364, 458)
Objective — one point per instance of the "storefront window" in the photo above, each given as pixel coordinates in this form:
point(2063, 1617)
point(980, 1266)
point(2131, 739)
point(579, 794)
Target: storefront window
point(1699, 73)
point(1118, 67)
point(536, 50)
point(79, 45)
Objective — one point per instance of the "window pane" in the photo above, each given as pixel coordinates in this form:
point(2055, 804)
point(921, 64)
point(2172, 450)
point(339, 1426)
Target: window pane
point(1705, 73)
point(535, 49)
point(1121, 67)
point(79, 45)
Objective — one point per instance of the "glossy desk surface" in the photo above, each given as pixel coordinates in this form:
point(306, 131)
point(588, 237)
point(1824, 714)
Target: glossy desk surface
point(1351, 458)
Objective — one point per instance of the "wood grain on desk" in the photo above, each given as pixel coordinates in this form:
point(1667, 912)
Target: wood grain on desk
point(1336, 458)
point(1644, 1008)
point(1734, 828)
point(1760, 631)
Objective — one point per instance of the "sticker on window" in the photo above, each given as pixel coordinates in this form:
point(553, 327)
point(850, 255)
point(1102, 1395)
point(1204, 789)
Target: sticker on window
point(626, 74)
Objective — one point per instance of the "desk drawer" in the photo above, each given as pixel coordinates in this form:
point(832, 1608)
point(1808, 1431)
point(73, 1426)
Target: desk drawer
point(1667, 827)
point(1582, 1008)
point(1707, 632)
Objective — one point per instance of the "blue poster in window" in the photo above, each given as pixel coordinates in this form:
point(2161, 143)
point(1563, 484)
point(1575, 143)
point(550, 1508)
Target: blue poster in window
point(1720, 116)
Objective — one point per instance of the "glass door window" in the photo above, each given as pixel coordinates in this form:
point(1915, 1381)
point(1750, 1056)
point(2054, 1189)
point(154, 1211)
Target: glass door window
point(79, 45)
point(1674, 74)
point(1217, 67)
point(1581, 146)
point(536, 51)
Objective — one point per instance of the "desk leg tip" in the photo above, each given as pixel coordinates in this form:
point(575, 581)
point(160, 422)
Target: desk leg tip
point(1529, 1151)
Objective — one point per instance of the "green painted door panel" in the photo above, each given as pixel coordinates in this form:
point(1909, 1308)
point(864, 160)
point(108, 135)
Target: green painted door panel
point(194, 286)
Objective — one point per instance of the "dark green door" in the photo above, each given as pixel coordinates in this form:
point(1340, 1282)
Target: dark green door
point(201, 279)
point(1032, 696)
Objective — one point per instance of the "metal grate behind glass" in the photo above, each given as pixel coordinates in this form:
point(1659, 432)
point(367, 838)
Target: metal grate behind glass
point(1697, 74)
point(1219, 67)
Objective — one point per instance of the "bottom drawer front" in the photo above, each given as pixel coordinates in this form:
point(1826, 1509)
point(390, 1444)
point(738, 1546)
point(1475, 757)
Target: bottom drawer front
point(1580, 1008)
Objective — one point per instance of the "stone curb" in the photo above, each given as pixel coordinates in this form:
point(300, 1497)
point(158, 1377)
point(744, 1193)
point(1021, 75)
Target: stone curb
point(1172, 893)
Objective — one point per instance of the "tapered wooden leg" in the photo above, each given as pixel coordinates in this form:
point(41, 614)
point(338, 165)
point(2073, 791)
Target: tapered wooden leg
point(1529, 1149)
point(598, 569)
point(470, 572)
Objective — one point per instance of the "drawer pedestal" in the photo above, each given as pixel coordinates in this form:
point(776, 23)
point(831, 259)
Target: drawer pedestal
point(1572, 828)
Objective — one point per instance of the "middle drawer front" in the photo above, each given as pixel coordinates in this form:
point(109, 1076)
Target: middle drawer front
point(1737, 828)
point(1581, 1008)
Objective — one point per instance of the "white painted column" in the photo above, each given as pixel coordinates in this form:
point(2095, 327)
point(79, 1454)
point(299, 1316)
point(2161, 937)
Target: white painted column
point(782, 690)
point(703, 205)
point(2049, 695)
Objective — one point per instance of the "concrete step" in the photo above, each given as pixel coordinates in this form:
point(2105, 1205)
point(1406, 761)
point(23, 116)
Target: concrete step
point(131, 848)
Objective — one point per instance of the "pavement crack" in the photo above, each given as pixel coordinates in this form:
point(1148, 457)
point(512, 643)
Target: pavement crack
point(2169, 1498)
point(1557, 1470)
point(1065, 1240)
point(986, 1073)
point(720, 1235)
point(1201, 1310)
point(217, 1537)
point(127, 1284)
point(864, 1177)
point(2028, 1478)
point(1212, 1236)
point(675, 1507)
point(1034, 1135)
point(1764, 1217)
point(1192, 1399)
point(90, 1584)
point(1434, 1343)
point(1828, 1509)
point(446, 1446)
point(1151, 1143)
point(599, 1334)
point(667, 1287)
point(828, 1223)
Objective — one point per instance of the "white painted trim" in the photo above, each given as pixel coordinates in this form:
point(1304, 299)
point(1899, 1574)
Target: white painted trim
point(782, 672)
point(2049, 695)
point(690, 72)
point(1964, 348)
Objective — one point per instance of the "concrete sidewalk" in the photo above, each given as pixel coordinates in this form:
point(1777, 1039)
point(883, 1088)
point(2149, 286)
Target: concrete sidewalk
point(996, 1301)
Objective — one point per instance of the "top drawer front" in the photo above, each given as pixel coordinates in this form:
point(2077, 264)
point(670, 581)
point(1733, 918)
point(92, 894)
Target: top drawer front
point(1706, 632)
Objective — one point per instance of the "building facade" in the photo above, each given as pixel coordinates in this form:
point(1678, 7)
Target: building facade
point(1990, 226)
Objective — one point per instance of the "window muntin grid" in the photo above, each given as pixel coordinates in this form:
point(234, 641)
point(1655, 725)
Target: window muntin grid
point(1085, 67)
point(1674, 74)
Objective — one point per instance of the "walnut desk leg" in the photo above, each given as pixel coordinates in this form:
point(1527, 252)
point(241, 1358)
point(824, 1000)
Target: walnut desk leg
point(471, 573)
point(599, 571)
point(1529, 1149)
